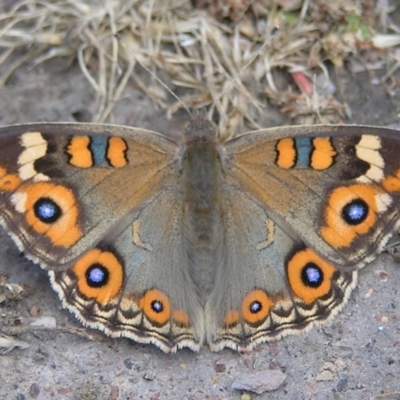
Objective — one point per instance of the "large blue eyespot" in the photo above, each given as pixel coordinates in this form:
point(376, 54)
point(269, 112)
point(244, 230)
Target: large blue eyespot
point(255, 307)
point(312, 275)
point(157, 306)
point(97, 275)
point(355, 212)
point(47, 210)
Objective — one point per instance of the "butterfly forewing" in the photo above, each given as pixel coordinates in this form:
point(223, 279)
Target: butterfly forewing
point(64, 186)
point(335, 187)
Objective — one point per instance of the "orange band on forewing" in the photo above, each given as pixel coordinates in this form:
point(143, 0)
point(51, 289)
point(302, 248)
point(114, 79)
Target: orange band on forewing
point(323, 154)
point(146, 304)
point(286, 157)
point(63, 232)
point(337, 232)
point(116, 152)
point(78, 149)
point(294, 270)
point(115, 279)
point(8, 182)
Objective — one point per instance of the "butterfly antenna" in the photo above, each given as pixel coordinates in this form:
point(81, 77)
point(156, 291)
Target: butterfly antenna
point(163, 84)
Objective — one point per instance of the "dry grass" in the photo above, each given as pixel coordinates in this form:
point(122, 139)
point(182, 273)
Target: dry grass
point(226, 56)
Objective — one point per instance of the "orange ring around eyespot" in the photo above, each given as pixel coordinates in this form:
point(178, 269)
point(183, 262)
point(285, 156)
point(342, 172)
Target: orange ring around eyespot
point(146, 306)
point(115, 279)
point(65, 231)
point(294, 269)
point(8, 182)
point(266, 303)
point(337, 232)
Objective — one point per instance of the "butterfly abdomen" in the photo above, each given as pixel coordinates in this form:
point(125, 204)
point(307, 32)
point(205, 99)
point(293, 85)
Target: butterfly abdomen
point(202, 216)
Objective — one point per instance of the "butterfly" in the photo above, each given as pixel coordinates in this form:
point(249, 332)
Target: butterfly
point(181, 244)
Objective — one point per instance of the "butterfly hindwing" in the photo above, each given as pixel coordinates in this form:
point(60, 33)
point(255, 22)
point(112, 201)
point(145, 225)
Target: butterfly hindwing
point(270, 284)
point(134, 284)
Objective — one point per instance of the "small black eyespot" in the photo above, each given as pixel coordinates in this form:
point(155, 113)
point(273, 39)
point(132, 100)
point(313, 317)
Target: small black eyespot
point(255, 307)
point(355, 212)
point(47, 210)
point(350, 150)
point(97, 275)
point(157, 306)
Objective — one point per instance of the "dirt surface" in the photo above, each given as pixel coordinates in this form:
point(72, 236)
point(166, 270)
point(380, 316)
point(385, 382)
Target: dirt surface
point(356, 357)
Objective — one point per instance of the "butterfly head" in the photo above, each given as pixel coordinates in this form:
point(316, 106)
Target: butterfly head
point(200, 129)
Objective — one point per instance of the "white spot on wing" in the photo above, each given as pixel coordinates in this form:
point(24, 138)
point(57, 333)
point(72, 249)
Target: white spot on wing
point(35, 147)
point(368, 150)
point(383, 201)
point(370, 142)
point(18, 199)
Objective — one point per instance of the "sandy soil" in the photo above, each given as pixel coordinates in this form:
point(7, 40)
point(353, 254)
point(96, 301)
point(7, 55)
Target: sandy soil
point(356, 357)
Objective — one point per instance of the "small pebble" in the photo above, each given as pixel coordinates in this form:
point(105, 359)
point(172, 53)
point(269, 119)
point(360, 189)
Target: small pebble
point(260, 382)
point(341, 385)
point(34, 391)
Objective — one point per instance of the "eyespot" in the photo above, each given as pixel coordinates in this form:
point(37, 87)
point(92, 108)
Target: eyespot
point(50, 210)
point(350, 150)
point(352, 211)
point(309, 275)
point(46, 210)
point(156, 306)
point(256, 306)
point(312, 275)
point(355, 212)
point(97, 276)
point(100, 275)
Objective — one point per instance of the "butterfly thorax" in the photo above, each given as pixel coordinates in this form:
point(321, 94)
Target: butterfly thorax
point(202, 216)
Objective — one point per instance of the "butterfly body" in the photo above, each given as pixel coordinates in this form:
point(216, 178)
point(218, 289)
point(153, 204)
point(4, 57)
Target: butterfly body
point(232, 244)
